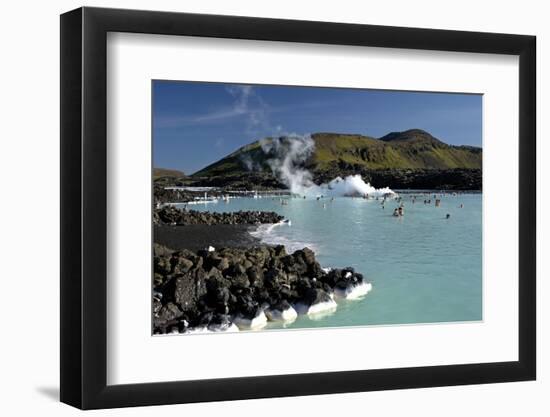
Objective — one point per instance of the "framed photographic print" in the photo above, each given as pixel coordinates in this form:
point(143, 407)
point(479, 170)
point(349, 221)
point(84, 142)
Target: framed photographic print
point(258, 208)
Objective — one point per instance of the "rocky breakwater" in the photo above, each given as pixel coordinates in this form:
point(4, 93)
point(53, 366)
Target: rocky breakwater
point(457, 179)
point(242, 289)
point(174, 216)
point(162, 195)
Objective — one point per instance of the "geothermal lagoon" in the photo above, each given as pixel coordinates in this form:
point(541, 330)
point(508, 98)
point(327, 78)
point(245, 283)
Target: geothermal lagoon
point(423, 267)
point(286, 207)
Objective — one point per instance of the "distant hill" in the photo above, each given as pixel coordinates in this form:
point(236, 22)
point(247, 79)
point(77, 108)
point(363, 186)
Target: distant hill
point(163, 172)
point(413, 149)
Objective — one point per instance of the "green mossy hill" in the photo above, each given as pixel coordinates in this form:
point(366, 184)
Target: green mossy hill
point(411, 149)
point(163, 172)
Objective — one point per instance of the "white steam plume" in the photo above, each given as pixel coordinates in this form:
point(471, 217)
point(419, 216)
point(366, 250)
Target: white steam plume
point(288, 153)
point(287, 156)
point(352, 185)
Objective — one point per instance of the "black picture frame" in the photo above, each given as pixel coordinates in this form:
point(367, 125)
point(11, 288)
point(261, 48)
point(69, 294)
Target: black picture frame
point(84, 207)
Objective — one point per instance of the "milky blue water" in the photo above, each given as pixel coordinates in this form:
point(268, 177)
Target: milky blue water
point(424, 268)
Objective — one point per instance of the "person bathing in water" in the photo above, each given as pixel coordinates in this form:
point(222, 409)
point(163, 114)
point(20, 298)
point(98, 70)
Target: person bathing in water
point(398, 212)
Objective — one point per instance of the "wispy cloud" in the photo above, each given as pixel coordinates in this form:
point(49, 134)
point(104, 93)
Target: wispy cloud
point(215, 116)
point(249, 108)
point(220, 142)
point(246, 104)
point(242, 94)
point(254, 109)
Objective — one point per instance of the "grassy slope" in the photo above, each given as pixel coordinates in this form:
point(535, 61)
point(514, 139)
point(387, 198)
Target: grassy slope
point(163, 172)
point(412, 149)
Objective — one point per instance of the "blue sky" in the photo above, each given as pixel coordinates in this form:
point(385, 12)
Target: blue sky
point(195, 124)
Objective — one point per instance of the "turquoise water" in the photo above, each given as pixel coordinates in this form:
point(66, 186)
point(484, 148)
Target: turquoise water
point(424, 268)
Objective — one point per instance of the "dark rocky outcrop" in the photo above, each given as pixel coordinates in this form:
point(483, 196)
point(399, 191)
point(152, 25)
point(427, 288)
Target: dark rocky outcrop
point(455, 179)
point(174, 216)
point(168, 192)
point(459, 179)
point(209, 289)
point(251, 181)
point(164, 195)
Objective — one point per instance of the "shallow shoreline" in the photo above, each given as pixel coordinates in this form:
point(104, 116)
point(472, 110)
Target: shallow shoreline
point(198, 236)
point(235, 289)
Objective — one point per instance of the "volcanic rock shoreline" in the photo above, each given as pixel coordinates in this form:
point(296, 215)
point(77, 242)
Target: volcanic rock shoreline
point(234, 289)
point(458, 179)
point(174, 216)
point(195, 237)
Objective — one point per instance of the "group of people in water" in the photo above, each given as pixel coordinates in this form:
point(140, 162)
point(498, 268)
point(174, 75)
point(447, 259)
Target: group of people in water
point(398, 211)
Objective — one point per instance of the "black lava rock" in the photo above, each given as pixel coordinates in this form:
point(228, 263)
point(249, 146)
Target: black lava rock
point(208, 289)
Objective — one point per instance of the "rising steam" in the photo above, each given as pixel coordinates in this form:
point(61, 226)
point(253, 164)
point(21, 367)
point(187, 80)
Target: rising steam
point(287, 156)
point(352, 185)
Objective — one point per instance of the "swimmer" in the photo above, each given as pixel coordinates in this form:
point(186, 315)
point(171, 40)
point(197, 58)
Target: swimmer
point(396, 213)
point(448, 216)
point(461, 206)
